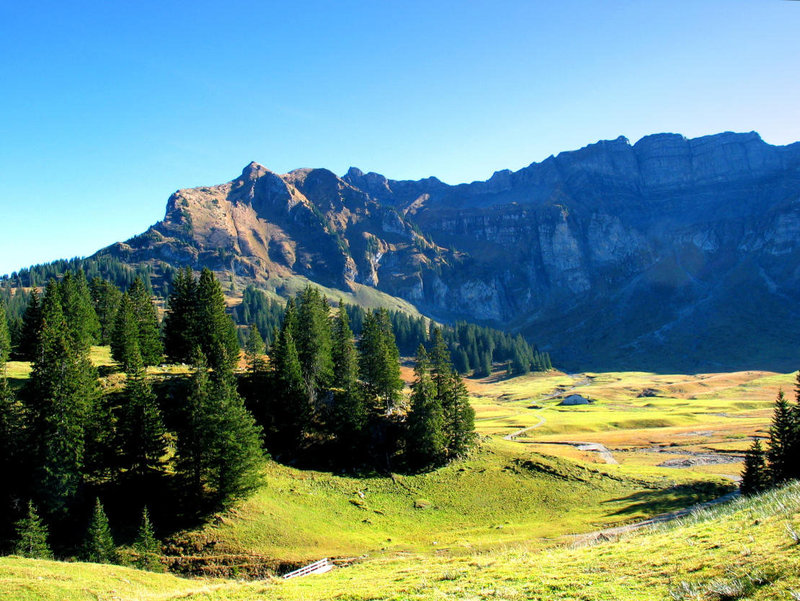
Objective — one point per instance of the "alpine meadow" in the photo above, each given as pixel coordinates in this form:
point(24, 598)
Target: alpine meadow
point(571, 378)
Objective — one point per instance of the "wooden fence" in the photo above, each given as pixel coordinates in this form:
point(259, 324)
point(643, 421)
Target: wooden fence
point(318, 567)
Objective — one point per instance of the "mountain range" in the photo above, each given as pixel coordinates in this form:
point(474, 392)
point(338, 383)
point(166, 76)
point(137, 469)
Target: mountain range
point(667, 254)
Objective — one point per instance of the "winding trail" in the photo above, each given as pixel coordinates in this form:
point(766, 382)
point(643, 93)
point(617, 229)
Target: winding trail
point(583, 382)
point(607, 533)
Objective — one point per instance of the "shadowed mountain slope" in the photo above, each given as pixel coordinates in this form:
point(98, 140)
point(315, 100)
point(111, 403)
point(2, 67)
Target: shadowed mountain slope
point(668, 254)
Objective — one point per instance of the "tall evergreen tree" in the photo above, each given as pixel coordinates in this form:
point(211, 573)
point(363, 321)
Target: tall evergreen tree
point(5, 339)
point(379, 361)
point(755, 476)
point(459, 418)
point(32, 536)
point(147, 326)
point(181, 321)
point(426, 441)
point(781, 437)
point(313, 341)
point(217, 332)
point(141, 431)
point(12, 452)
point(31, 324)
point(76, 302)
point(125, 339)
point(194, 432)
point(254, 350)
point(105, 298)
point(99, 545)
point(349, 410)
point(61, 392)
point(290, 410)
point(235, 455)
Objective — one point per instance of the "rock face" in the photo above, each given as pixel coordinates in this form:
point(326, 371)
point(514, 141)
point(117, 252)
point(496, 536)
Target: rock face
point(667, 254)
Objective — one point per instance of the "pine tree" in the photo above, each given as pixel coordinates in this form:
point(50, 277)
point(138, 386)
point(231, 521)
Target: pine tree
point(147, 546)
point(254, 350)
point(216, 331)
point(181, 321)
point(313, 341)
point(79, 315)
point(32, 536)
point(12, 456)
point(755, 476)
point(426, 439)
point(125, 339)
point(99, 545)
point(105, 298)
point(141, 431)
point(379, 361)
point(349, 411)
point(194, 432)
point(234, 456)
point(781, 438)
point(290, 411)
point(459, 418)
point(5, 339)
point(146, 317)
point(61, 393)
point(31, 324)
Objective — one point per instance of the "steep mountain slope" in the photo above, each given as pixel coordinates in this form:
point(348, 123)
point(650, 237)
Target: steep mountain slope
point(667, 254)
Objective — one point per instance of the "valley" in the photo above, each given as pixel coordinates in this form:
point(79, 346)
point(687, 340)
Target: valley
point(478, 526)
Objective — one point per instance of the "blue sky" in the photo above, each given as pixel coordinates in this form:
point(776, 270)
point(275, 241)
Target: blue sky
point(108, 107)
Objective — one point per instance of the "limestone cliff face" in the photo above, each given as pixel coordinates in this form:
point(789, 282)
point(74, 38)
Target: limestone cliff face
point(669, 248)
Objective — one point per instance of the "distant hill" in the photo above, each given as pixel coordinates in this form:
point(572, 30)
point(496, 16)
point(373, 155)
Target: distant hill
point(668, 254)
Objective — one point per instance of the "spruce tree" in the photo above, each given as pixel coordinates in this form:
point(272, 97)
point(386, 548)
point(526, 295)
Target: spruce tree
point(234, 455)
point(140, 429)
point(147, 326)
point(349, 410)
point(147, 546)
point(12, 455)
point(379, 361)
point(194, 432)
point(31, 323)
point(105, 298)
point(290, 407)
point(425, 442)
point(313, 341)
point(99, 545)
point(81, 319)
point(755, 476)
point(216, 331)
point(254, 350)
point(5, 339)
point(181, 321)
point(32, 536)
point(459, 418)
point(61, 393)
point(781, 438)
point(125, 339)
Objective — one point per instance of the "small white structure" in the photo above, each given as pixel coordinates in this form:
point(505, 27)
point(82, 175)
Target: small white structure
point(574, 399)
point(318, 567)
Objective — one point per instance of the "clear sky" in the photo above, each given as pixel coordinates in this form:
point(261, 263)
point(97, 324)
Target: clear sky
point(108, 107)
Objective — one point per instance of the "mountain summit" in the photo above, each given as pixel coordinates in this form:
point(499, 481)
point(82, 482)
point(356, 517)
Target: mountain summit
point(670, 253)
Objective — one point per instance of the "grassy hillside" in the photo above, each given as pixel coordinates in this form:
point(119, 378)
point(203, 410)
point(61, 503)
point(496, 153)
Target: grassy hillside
point(502, 495)
point(746, 549)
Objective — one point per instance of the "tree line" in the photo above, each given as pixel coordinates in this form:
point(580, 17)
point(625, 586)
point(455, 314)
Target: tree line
point(330, 398)
point(66, 441)
point(69, 437)
point(475, 349)
point(780, 461)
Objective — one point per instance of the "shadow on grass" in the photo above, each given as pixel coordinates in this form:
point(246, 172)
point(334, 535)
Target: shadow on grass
point(652, 502)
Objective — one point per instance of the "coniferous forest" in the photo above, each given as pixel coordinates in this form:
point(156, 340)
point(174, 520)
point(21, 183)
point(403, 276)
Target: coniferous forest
point(84, 447)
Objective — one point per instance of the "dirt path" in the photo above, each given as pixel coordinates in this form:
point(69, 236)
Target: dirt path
point(608, 533)
point(595, 447)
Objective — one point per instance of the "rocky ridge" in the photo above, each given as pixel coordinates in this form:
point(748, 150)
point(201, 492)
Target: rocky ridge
point(670, 253)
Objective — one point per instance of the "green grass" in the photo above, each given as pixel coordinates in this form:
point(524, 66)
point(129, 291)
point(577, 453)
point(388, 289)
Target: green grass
point(742, 550)
point(504, 494)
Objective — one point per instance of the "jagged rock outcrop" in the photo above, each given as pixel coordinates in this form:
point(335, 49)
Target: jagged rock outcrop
point(669, 253)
